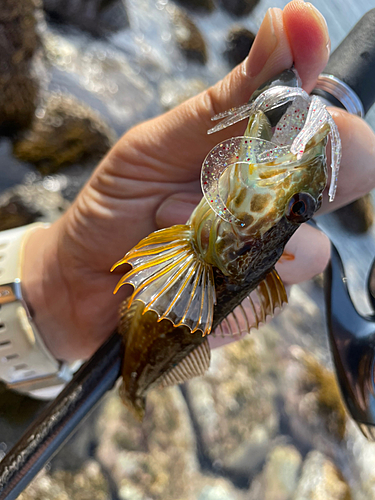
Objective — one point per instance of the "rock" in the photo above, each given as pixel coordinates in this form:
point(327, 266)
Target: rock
point(64, 132)
point(97, 17)
point(174, 92)
point(281, 472)
point(320, 403)
point(321, 480)
point(87, 484)
point(233, 409)
point(239, 7)
point(217, 492)
point(238, 45)
point(19, 44)
point(188, 37)
point(25, 204)
point(200, 5)
point(15, 213)
point(155, 459)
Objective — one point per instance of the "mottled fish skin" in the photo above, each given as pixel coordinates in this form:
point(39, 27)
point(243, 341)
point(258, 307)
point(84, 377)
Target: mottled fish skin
point(234, 259)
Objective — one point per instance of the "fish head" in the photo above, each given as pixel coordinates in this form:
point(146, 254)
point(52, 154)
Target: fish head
point(259, 195)
point(271, 179)
point(251, 180)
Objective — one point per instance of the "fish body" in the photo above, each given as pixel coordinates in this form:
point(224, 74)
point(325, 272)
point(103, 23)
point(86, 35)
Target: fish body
point(195, 278)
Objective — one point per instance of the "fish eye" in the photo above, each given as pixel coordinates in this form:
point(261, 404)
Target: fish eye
point(301, 208)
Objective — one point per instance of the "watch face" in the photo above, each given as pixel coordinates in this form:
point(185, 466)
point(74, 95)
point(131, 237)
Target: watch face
point(7, 294)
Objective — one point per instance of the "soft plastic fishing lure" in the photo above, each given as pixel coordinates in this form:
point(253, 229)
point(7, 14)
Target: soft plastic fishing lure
point(216, 272)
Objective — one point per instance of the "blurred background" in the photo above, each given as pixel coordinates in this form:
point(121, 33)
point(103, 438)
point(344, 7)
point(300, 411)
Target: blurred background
point(267, 421)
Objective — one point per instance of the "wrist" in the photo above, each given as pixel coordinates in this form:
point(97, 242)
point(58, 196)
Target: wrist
point(71, 302)
point(26, 364)
point(42, 285)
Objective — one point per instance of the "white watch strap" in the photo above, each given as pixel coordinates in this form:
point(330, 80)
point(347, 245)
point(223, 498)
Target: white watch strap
point(25, 363)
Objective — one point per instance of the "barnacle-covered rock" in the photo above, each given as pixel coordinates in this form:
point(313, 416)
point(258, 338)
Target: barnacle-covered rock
point(19, 44)
point(97, 17)
point(64, 132)
point(188, 37)
point(238, 44)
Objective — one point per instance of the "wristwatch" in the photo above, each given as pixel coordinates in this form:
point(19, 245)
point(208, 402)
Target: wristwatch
point(26, 365)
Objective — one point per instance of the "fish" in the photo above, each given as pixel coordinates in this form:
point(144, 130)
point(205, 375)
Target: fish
point(216, 273)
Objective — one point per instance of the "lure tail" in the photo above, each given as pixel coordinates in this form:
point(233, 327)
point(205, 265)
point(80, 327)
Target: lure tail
point(171, 279)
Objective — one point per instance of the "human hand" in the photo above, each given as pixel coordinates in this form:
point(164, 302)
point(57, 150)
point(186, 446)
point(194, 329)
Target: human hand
point(150, 179)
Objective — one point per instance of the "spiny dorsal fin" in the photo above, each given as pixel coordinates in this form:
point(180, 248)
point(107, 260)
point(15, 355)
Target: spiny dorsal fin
point(255, 309)
point(169, 278)
point(194, 365)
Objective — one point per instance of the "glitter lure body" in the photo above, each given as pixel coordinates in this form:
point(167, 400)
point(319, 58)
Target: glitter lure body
point(216, 272)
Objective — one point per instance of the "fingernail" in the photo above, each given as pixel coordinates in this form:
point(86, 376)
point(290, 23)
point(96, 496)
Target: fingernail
point(263, 46)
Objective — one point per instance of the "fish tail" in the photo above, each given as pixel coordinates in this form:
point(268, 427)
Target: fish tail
point(156, 354)
point(170, 278)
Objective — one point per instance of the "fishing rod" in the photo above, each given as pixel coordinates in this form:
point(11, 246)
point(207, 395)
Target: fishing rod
point(346, 83)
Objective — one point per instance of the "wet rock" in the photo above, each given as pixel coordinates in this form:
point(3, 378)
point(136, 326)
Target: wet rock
point(64, 132)
point(321, 480)
point(281, 472)
point(246, 461)
point(155, 459)
point(319, 400)
point(19, 44)
point(202, 5)
point(238, 45)
point(217, 492)
point(357, 217)
point(188, 37)
point(87, 484)
point(233, 407)
point(174, 92)
point(25, 204)
point(239, 7)
point(97, 17)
